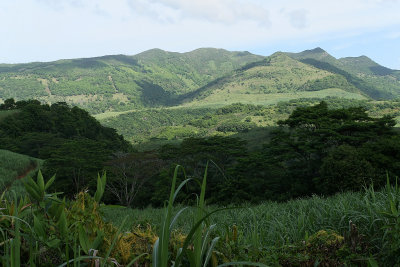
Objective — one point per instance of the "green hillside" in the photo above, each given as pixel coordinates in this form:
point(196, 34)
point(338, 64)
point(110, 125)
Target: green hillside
point(14, 166)
point(276, 78)
point(119, 82)
point(151, 128)
point(203, 77)
point(374, 80)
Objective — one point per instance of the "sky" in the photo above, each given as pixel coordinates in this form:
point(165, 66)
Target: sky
point(47, 30)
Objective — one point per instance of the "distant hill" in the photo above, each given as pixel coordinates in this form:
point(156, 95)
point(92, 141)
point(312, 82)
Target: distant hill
point(275, 77)
point(203, 77)
point(376, 81)
point(119, 82)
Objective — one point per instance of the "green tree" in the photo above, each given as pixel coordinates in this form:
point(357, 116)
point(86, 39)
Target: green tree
point(345, 168)
point(8, 104)
point(193, 154)
point(310, 134)
point(76, 164)
point(128, 173)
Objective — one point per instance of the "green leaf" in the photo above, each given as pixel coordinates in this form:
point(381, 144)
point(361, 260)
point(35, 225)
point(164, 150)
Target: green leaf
point(372, 263)
point(97, 241)
point(101, 184)
point(103, 181)
point(32, 193)
point(393, 208)
point(136, 259)
point(33, 184)
point(56, 209)
point(40, 183)
point(63, 225)
point(84, 240)
point(39, 228)
point(53, 243)
point(49, 182)
point(210, 250)
point(156, 253)
point(33, 189)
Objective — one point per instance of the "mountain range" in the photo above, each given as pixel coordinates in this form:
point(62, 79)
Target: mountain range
point(203, 77)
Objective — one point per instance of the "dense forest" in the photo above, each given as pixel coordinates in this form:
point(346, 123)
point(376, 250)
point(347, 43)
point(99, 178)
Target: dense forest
point(73, 144)
point(316, 150)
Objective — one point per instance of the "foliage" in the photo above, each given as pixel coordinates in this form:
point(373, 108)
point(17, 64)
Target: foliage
point(63, 230)
point(148, 128)
point(73, 143)
point(146, 124)
point(129, 174)
point(313, 142)
point(320, 148)
point(43, 230)
point(15, 166)
point(297, 231)
point(194, 153)
point(263, 234)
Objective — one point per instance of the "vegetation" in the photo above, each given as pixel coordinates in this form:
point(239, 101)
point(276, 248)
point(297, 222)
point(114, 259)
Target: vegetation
point(296, 232)
point(14, 167)
point(156, 127)
point(312, 147)
point(376, 81)
point(347, 229)
point(304, 143)
point(152, 78)
point(74, 144)
point(212, 77)
point(276, 74)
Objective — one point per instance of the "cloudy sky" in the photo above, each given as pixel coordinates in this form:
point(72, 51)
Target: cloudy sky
point(45, 30)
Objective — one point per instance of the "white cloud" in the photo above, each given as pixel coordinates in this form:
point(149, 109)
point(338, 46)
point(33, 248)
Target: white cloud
point(298, 18)
point(222, 11)
point(74, 28)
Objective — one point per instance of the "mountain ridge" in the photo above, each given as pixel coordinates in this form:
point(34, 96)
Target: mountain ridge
point(156, 77)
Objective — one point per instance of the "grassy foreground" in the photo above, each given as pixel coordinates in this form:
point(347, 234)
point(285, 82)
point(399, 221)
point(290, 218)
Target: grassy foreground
point(369, 220)
point(349, 229)
point(275, 223)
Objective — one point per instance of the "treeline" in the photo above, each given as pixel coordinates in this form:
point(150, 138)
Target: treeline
point(316, 150)
point(73, 144)
point(142, 126)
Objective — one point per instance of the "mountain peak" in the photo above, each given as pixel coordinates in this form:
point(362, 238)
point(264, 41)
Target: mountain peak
point(317, 53)
point(315, 50)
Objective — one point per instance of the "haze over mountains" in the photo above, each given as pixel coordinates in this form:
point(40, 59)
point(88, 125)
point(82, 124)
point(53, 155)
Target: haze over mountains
point(202, 77)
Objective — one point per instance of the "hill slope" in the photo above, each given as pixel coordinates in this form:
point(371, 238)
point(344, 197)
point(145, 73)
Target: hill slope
point(206, 76)
point(15, 166)
point(276, 78)
point(376, 81)
point(118, 82)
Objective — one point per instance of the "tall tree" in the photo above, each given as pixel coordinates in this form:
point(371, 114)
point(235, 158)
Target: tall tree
point(128, 173)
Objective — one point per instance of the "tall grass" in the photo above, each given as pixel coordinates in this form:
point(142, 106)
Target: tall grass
point(261, 229)
point(277, 224)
